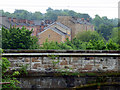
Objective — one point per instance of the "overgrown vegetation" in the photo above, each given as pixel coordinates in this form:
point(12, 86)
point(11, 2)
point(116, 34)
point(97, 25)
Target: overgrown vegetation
point(55, 59)
point(87, 40)
point(5, 64)
point(23, 69)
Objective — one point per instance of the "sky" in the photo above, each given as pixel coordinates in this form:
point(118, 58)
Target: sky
point(107, 8)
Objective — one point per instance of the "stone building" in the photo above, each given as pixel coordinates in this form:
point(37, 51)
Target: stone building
point(76, 24)
point(55, 32)
point(4, 22)
point(64, 27)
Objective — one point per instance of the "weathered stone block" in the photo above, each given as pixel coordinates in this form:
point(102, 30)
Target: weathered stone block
point(48, 66)
point(36, 65)
point(27, 59)
point(64, 62)
point(87, 67)
point(35, 59)
point(47, 60)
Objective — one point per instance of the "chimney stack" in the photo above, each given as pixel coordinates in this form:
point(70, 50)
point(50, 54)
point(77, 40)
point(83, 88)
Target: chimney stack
point(14, 20)
point(30, 22)
point(9, 19)
point(88, 19)
point(26, 21)
point(82, 19)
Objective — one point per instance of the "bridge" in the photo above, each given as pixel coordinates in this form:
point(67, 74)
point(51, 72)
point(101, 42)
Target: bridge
point(72, 60)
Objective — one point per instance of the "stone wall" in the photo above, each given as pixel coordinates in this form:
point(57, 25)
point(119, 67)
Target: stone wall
point(73, 64)
point(72, 61)
point(41, 67)
point(63, 82)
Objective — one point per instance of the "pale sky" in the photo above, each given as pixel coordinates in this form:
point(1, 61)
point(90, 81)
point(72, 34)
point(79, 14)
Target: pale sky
point(107, 8)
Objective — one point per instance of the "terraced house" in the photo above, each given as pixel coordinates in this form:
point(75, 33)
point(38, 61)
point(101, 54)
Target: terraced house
point(35, 25)
point(76, 24)
point(64, 27)
point(55, 32)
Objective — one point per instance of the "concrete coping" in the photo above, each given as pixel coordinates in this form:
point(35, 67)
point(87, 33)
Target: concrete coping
point(59, 51)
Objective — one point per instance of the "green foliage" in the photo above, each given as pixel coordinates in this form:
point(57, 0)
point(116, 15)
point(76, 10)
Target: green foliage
point(115, 35)
point(1, 50)
point(105, 30)
point(97, 21)
point(4, 63)
point(86, 36)
point(16, 73)
point(55, 59)
point(50, 14)
point(22, 39)
point(104, 26)
point(85, 41)
point(34, 44)
point(96, 45)
point(16, 38)
point(13, 83)
point(23, 69)
point(110, 45)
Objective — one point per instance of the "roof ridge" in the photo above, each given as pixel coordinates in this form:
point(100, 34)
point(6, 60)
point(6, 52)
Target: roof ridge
point(61, 24)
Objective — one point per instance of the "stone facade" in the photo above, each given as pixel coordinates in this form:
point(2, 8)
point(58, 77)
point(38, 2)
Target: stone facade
point(56, 32)
point(44, 71)
point(76, 24)
point(64, 82)
point(51, 36)
point(73, 64)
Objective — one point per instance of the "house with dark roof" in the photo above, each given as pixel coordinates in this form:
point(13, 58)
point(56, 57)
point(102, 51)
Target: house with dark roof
point(76, 24)
point(64, 27)
point(35, 25)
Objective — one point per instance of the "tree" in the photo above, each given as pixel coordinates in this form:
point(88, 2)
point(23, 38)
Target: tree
point(86, 36)
point(16, 38)
point(37, 16)
point(115, 35)
point(105, 30)
point(97, 21)
point(110, 45)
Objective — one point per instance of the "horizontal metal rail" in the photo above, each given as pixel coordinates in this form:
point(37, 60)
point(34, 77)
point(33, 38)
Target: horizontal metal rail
point(61, 54)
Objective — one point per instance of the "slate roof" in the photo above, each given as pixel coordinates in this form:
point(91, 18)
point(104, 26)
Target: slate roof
point(37, 22)
point(81, 22)
point(60, 24)
point(54, 29)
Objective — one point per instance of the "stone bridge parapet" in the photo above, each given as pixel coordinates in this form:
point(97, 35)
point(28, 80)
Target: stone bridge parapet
point(64, 60)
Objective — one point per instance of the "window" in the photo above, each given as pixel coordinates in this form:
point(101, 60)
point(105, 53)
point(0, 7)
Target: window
point(49, 36)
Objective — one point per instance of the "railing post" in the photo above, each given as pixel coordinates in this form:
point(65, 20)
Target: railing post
point(94, 61)
point(30, 63)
